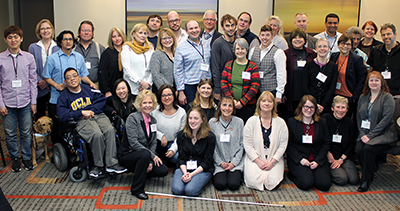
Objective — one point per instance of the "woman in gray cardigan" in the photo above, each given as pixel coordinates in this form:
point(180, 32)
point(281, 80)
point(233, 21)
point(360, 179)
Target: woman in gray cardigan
point(375, 125)
point(228, 152)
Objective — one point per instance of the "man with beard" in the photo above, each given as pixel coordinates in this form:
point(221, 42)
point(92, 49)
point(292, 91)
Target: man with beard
point(174, 23)
point(331, 33)
point(154, 23)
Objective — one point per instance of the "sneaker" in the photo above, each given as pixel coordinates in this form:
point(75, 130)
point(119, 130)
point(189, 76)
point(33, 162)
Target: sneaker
point(116, 169)
point(96, 172)
point(28, 165)
point(16, 166)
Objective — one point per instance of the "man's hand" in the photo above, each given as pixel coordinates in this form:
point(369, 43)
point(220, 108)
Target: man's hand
point(182, 98)
point(42, 84)
point(93, 85)
point(60, 87)
point(3, 111)
point(87, 114)
point(33, 109)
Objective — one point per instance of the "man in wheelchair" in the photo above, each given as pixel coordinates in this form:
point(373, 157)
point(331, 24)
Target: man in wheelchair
point(81, 103)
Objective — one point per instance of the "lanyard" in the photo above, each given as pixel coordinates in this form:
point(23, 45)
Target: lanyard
point(337, 126)
point(145, 61)
point(333, 44)
point(202, 48)
point(15, 65)
point(368, 111)
point(83, 50)
point(225, 127)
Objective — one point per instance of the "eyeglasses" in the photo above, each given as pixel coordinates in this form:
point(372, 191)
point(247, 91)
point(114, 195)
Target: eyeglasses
point(167, 95)
point(309, 107)
point(67, 39)
point(209, 19)
point(173, 21)
point(71, 77)
point(166, 38)
point(345, 44)
point(46, 28)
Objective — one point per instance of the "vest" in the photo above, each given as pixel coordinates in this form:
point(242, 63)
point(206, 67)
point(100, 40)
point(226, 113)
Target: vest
point(267, 66)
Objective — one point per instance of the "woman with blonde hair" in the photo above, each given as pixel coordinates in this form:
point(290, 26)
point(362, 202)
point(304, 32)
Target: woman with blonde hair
point(205, 98)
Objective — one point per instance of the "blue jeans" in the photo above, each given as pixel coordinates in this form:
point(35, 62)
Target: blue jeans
point(22, 116)
point(190, 92)
point(193, 187)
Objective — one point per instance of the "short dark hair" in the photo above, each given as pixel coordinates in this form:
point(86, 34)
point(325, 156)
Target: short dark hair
point(61, 36)
point(246, 14)
point(86, 22)
point(155, 15)
point(159, 96)
point(299, 32)
point(388, 26)
point(226, 18)
point(266, 28)
point(345, 37)
point(331, 15)
point(13, 30)
point(70, 69)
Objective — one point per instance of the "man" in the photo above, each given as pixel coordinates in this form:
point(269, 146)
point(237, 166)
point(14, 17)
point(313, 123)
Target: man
point(191, 63)
point(331, 33)
point(81, 103)
point(209, 34)
point(385, 58)
point(154, 23)
point(89, 49)
point(54, 72)
point(301, 21)
point(271, 62)
point(174, 23)
point(18, 92)
point(222, 52)
point(243, 27)
point(356, 33)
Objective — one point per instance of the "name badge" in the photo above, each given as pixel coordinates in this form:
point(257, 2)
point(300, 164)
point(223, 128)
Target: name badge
point(153, 128)
point(204, 67)
point(386, 75)
point(365, 124)
point(338, 85)
point(322, 77)
point(88, 65)
point(301, 63)
point(307, 139)
point(191, 164)
point(16, 83)
point(261, 74)
point(246, 75)
point(336, 138)
point(224, 137)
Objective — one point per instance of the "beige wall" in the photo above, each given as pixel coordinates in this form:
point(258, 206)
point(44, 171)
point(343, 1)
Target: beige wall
point(106, 14)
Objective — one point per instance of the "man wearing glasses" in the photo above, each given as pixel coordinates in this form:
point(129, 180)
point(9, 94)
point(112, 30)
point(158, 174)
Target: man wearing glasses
point(174, 23)
point(209, 34)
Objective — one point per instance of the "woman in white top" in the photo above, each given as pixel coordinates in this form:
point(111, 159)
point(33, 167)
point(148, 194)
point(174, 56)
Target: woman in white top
point(135, 59)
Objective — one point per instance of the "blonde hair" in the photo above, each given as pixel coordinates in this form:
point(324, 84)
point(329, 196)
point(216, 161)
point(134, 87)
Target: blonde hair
point(266, 94)
point(120, 32)
point(170, 33)
point(340, 99)
point(136, 28)
point(141, 96)
point(37, 29)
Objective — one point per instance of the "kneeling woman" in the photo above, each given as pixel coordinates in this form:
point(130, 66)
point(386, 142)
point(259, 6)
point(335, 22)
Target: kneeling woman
point(265, 141)
point(228, 153)
point(196, 145)
point(308, 146)
point(139, 145)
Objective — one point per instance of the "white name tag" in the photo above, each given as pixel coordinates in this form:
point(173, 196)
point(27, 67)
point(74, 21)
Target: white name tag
point(337, 138)
point(338, 85)
point(386, 75)
point(224, 137)
point(88, 65)
point(307, 139)
point(204, 67)
point(301, 63)
point(322, 77)
point(153, 128)
point(365, 124)
point(191, 164)
point(261, 74)
point(16, 83)
point(246, 75)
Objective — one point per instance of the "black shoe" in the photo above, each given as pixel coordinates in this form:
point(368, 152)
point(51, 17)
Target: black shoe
point(116, 169)
point(28, 165)
point(142, 196)
point(364, 186)
point(96, 172)
point(16, 166)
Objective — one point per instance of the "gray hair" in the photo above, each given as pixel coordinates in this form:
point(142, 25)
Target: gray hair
point(340, 99)
point(242, 43)
point(211, 12)
point(280, 23)
point(354, 30)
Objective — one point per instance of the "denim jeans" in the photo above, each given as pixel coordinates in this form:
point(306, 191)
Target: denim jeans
point(22, 116)
point(193, 187)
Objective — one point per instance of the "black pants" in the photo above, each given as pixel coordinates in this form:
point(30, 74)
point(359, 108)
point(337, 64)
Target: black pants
point(227, 179)
point(246, 112)
point(4, 205)
point(55, 132)
point(306, 178)
point(137, 162)
point(41, 106)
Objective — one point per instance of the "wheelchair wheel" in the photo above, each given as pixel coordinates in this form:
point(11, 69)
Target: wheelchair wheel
point(60, 157)
point(77, 176)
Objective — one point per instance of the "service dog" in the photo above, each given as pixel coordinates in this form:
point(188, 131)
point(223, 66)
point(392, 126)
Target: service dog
point(41, 137)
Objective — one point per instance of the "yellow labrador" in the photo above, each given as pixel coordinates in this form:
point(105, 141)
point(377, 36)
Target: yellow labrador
point(41, 137)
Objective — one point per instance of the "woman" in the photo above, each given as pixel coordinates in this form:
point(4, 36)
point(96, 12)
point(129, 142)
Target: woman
point(108, 67)
point(171, 119)
point(135, 58)
point(162, 60)
point(41, 50)
point(277, 32)
point(369, 41)
point(121, 101)
point(240, 80)
point(296, 58)
point(320, 76)
point(138, 149)
point(340, 154)
point(265, 141)
point(205, 98)
point(352, 72)
point(375, 125)
point(196, 145)
point(308, 146)
point(228, 152)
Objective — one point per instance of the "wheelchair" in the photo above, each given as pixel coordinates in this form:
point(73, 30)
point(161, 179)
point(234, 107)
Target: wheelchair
point(73, 151)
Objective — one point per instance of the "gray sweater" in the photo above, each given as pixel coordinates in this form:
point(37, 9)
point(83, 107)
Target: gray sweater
point(228, 152)
point(221, 53)
point(162, 69)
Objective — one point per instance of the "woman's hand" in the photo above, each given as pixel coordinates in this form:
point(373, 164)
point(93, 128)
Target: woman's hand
point(320, 108)
point(157, 161)
point(164, 141)
point(305, 162)
point(227, 166)
point(238, 105)
point(336, 164)
point(365, 139)
point(108, 94)
point(261, 164)
point(169, 154)
point(149, 168)
point(313, 165)
point(186, 177)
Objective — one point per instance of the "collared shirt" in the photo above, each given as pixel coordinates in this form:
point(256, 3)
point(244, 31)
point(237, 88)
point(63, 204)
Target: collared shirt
point(333, 41)
point(187, 63)
point(92, 56)
point(183, 37)
point(55, 66)
point(207, 41)
point(280, 65)
point(23, 68)
point(147, 123)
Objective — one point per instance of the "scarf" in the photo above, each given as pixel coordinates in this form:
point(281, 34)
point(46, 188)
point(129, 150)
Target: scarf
point(136, 48)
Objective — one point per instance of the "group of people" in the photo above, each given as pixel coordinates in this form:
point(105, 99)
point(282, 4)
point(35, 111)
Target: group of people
point(209, 102)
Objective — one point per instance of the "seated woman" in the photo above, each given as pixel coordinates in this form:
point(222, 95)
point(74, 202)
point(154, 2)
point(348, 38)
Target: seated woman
point(228, 152)
point(121, 100)
point(205, 98)
point(340, 154)
point(196, 144)
point(171, 119)
point(265, 141)
point(375, 125)
point(308, 146)
point(137, 151)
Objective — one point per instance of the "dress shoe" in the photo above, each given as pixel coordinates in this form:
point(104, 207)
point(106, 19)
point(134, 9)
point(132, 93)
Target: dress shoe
point(364, 186)
point(142, 196)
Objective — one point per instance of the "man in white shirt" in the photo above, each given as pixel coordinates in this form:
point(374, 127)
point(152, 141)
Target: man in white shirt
point(174, 23)
point(331, 33)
